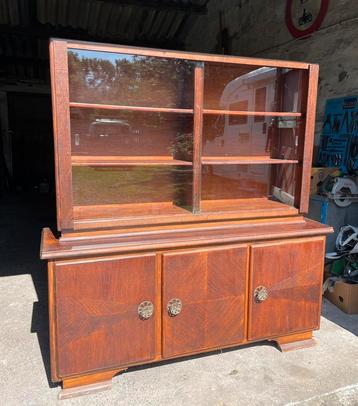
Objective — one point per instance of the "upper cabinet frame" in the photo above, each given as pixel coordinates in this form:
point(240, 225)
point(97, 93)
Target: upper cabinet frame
point(74, 216)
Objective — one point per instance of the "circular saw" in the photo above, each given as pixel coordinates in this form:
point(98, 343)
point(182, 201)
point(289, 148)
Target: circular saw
point(343, 190)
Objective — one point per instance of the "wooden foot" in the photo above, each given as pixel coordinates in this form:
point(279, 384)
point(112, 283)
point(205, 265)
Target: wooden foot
point(295, 342)
point(86, 384)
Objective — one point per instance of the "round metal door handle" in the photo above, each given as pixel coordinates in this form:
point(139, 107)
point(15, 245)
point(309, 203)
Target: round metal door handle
point(145, 310)
point(261, 294)
point(174, 307)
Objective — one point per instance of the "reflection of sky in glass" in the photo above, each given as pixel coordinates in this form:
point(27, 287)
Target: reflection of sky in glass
point(108, 56)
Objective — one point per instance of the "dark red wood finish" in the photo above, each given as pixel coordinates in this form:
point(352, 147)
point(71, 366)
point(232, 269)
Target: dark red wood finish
point(211, 284)
point(292, 274)
point(97, 322)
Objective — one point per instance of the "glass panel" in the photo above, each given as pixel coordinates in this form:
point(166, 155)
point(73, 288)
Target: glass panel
point(284, 183)
point(268, 136)
point(234, 181)
point(228, 182)
point(248, 88)
point(129, 80)
point(131, 185)
point(98, 132)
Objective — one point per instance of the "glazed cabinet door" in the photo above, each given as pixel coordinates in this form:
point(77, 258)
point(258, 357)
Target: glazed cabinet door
point(285, 287)
point(105, 313)
point(203, 299)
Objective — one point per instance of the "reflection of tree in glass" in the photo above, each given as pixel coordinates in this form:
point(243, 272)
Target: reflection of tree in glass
point(131, 80)
point(182, 148)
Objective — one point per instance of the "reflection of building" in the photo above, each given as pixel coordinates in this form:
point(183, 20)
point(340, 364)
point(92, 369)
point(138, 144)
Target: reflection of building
point(245, 134)
point(261, 90)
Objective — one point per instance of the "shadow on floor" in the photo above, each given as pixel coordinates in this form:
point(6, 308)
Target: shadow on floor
point(347, 321)
point(22, 218)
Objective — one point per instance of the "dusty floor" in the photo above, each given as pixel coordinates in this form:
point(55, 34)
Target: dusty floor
point(253, 375)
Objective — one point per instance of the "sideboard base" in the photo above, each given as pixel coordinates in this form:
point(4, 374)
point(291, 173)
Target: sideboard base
point(295, 342)
point(85, 390)
point(87, 384)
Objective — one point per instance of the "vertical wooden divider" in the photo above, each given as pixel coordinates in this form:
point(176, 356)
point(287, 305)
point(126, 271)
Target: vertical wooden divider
point(197, 133)
point(62, 133)
point(302, 108)
point(309, 104)
point(275, 140)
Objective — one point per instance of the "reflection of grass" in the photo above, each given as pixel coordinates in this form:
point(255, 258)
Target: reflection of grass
point(128, 184)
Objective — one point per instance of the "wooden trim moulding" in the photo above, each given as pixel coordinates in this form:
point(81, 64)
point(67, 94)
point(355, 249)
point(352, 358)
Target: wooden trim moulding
point(191, 56)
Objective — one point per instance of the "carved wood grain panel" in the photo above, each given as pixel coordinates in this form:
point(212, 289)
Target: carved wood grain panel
point(97, 322)
point(292, 274)
point(211, 284)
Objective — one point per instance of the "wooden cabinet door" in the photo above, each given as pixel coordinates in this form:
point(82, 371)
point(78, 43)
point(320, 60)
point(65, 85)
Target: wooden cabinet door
point(211, 285)
point(96, 318)
point(291, 273)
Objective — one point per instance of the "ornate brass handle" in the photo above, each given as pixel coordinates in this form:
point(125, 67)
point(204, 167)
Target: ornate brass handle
point(260, 294)
point(145, 310)
point(174, 307)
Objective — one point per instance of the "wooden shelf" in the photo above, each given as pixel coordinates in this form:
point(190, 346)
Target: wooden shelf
point(244, 160)
point(253, 113)
point(136, 210)
point(79, 160)
point(131, 108)
point(157, 212)
point(248, 207)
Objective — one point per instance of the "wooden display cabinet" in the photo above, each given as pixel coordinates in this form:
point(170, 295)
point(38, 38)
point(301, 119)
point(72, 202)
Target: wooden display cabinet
point(181, 183)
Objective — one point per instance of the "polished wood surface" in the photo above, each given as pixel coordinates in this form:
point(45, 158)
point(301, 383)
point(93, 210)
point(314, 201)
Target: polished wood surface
point(97, 321)
point(179, 237)
point(293, 282)
point(179, 176)
point(61, 127)
point(90, 378)
point(244, 160)
point(190, 56)
point(211, 285)
point(295, 342)
point(253, 113)
point(127, 160)
point(131, 108)
point(309, 137)
point(112, 216)
point(198, 135)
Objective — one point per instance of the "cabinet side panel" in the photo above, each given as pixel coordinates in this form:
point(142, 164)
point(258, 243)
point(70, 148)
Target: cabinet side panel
point(62, 135)
point(291, 273)
point(97, 321)
point(211, 284)
point(52, 322)
point(309, 138)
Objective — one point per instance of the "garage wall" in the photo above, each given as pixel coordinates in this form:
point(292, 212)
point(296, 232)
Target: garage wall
point(258, 28)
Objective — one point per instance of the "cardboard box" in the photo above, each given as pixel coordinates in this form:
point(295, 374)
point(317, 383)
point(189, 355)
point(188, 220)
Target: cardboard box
point(344, 296)
point(318, 175)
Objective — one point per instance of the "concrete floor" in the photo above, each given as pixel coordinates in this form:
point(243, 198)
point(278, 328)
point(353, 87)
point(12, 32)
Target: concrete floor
point(326, 374)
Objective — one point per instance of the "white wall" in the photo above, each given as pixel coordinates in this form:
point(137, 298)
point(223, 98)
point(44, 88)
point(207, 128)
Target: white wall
point(258, 28)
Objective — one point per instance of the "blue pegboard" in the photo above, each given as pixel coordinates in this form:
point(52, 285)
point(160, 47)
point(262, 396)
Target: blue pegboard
point(339, 137)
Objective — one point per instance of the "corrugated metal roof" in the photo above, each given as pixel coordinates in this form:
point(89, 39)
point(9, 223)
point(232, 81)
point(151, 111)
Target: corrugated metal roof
point(26, 25)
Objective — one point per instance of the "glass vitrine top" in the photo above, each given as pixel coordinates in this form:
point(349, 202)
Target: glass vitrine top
point(178, 138)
